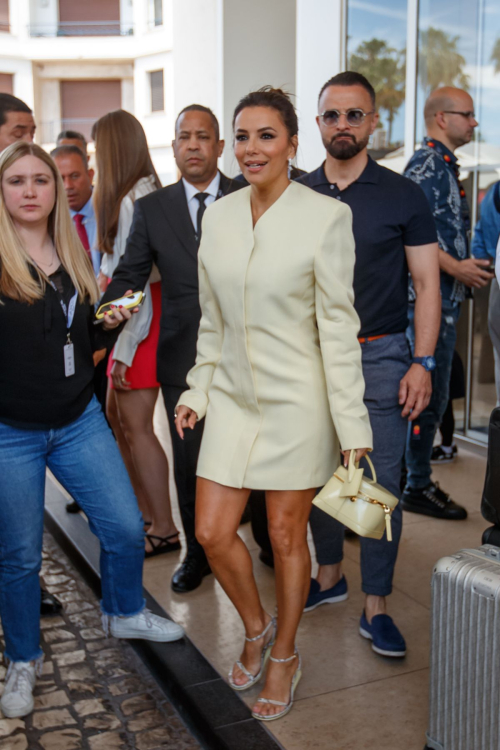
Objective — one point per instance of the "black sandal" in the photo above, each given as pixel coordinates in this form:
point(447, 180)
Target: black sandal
point(162, 546)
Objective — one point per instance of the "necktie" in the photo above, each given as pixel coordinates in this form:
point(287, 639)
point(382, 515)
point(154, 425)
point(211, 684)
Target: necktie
point(200, 197)
point(82, 233)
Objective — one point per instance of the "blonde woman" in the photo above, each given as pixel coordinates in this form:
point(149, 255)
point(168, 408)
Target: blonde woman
point(278, 376)
point(125, 174)
point(49, 418)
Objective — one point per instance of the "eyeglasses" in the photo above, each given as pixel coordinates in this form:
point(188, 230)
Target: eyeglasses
point(468, 115)
point(354, 117)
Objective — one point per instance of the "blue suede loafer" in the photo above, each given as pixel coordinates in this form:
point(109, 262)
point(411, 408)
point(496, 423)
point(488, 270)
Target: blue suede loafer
point(337, 593)
point(385, 636)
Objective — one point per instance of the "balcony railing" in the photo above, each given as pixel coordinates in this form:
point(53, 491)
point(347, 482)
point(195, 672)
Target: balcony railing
point(81, 28)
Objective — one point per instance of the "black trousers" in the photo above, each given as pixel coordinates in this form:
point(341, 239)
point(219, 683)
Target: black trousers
point(185, 460)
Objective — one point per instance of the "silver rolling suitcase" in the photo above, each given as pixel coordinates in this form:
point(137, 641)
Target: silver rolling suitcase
point(465, 652)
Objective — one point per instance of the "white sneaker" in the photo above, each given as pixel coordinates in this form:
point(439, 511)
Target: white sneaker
point(147, 626)
point(17, 698)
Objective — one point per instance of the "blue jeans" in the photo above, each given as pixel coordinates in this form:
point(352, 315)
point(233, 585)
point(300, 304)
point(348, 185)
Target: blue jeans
point(421, 433)
point(385, 362)
point(85, 459)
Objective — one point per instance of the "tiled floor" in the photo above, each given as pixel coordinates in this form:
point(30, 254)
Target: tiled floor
point(349, 698)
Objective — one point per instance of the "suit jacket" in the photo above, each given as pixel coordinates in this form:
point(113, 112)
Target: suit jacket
point(162, 233)
point(278, 369)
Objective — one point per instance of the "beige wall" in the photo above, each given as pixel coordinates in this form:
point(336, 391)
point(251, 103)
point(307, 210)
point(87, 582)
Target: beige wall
point(258, 49)
point(195, 53)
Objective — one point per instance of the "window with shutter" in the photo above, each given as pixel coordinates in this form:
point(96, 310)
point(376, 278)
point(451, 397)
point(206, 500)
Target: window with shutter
point(158, 11)
point(157, 91)
point(4, 15)
point(6, 83)
point(83, 102)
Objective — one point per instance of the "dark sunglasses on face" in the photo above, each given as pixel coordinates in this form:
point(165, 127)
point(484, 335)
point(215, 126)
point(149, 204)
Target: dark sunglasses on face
point(468, 115)
point(354, 117)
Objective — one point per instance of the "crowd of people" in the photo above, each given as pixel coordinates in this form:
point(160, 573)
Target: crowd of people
point(289, 319)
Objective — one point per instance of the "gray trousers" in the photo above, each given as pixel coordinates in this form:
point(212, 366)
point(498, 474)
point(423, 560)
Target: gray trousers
point(385, 362)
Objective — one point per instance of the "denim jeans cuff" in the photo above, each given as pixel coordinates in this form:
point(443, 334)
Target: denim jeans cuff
point(123, 614)
point(38, 657)
point(376, 590)
point(328, 560)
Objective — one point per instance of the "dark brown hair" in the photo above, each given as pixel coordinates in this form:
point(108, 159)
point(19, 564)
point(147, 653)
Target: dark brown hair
point(349, 78)
point(276, 99)
point(122, 158)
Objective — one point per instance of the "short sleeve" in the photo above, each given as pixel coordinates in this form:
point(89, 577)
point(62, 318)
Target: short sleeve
point(419, 226)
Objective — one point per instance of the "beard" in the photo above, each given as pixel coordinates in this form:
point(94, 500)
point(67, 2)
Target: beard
point(345, 149)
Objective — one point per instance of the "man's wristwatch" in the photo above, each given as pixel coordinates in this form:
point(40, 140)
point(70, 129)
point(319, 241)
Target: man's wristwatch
point(428, 363)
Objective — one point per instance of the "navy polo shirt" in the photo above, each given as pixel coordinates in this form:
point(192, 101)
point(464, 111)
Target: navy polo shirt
point(389, 212)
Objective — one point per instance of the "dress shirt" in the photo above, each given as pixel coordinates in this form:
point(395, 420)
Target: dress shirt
point(90, 225)
point(193, 204)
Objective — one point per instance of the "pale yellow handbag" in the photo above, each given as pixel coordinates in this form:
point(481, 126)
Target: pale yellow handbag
point(358, 502)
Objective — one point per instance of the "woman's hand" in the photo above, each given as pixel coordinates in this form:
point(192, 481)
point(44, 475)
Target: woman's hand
point(118, 315)
point(118, 376)
point(184, 418)
point(360, 452)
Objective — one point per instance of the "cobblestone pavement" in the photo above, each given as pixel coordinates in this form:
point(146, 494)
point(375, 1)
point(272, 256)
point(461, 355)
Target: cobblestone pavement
point(95, 693)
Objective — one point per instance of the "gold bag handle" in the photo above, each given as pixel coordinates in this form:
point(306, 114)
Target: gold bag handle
point(353, 465)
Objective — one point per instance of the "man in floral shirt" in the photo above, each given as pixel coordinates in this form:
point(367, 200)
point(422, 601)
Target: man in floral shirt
point(450, 122)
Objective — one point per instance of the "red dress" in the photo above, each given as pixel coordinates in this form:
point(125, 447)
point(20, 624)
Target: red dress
point(142, 373)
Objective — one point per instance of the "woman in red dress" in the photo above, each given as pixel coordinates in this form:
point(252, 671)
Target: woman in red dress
point(126, 173)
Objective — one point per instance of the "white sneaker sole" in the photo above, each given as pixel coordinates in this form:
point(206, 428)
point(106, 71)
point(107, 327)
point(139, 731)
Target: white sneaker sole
point(392, 654)
point(330, 600)
point(13, 714)
point(145, 636)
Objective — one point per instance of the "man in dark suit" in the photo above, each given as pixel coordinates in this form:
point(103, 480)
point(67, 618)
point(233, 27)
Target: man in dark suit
point(166, 231)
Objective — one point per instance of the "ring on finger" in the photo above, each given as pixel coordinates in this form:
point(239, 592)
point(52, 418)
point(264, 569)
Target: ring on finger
point(175, 415)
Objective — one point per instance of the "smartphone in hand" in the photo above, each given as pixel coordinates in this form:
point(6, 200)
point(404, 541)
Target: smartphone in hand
point(130, 302)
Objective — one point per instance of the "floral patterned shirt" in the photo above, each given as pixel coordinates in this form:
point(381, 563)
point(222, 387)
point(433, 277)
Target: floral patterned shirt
point(435, 168)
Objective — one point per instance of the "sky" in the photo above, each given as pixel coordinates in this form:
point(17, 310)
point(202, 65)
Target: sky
point(477, 33)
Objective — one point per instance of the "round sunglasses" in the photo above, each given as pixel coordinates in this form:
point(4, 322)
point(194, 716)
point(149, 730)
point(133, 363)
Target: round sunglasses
point(354, 117)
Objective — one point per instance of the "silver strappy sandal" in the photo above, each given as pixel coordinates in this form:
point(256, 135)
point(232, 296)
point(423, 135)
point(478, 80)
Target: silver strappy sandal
point(266, 651)
point(286, 706)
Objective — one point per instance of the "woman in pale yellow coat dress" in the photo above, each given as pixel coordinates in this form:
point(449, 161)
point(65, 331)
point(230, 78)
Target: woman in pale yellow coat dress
point(277, 377)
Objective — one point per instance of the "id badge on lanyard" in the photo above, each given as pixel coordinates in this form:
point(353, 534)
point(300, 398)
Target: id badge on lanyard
point(68, 349)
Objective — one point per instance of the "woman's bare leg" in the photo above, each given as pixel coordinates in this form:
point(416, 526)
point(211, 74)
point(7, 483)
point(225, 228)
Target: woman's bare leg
point(135, 410)
point(218, 513)
point(114, 420)
point(288, 514)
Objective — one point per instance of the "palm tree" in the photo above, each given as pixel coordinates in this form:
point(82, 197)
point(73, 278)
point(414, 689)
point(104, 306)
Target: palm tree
point(495, 55)
point(385, 69)
point(440, 63)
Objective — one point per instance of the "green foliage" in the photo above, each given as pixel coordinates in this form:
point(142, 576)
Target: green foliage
point(384, 67)
point(495, 55)
point(440, 63)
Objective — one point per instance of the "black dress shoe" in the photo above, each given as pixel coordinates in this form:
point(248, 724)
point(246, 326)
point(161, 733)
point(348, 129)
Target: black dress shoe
point(432, 501)
point(267, 558)
point(73, 507)
point(190, 574)
point(49, 606)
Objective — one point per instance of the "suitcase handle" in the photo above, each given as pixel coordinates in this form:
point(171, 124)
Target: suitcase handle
point(492, 551)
